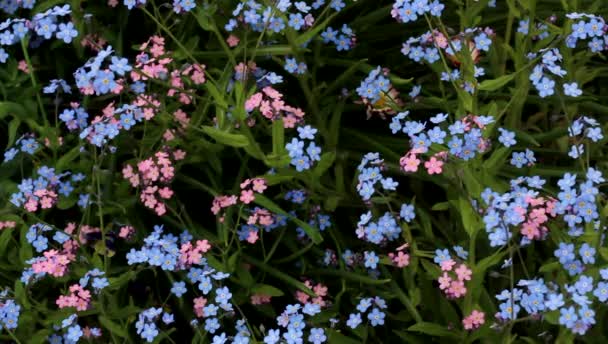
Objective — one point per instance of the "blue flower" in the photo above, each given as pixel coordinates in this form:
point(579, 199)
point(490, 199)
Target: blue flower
point(587, 254)
point(317, 336)
point(376, 317)
point(572, 90)
point(371, 259)
point(66, 32)
point(354, 320)
point(567, 316)
point(179, 288)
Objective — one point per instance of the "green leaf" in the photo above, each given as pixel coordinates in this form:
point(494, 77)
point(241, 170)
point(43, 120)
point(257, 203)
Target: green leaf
point(433, 330)
point(234, 140)
point(327, 159)
point(313, 233)
point(113, 327)
point(335, 337)
point(265, 289)
point(278, 137)
point(494, 84)
point(469, 217)
point(67, 158)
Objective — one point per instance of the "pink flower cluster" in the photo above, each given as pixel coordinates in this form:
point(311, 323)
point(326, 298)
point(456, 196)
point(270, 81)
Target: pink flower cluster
point(194, 73)
point(319, 289)
point(410, 162)
point(182, 120)
point(78, 298)
point(271, 105)
point(55, 263)
point(536, 216)
point(400, 259)
point(260, 216)
point(474, 320)
point(7, 224)
point(190, 255)
point(248, 189)
point(154, 175)
point(453, 286)
point(150, 63)
point(260, 299)
point(126, 232)
point(45, 198)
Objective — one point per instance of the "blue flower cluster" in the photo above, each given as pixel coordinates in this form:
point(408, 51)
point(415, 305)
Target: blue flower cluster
point(410, 10)
point(26, 144)
point(74, 331)
point(101, 132)
point(57, 85)
point(159, 250)
point(293, 322)
point(542, 81)
point(374, 86)
point(295, 67)
point(133, 3)
point(44, 25)
point(574, 303)
point(386, 228)
point(521, 159)
point(101, 79)
point(580, 129)
point(301, 159)
point(9, 312)
point(343, 39)
point(370, 173)
point(465, 140)
point(35, 236)
point(99, 281)
point(146, 322)
point(375, 316)
point(587, 27)
point(260, 17)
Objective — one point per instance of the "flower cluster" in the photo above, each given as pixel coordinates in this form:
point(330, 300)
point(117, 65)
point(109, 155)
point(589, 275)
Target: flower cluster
point(43, 26)
point(370, 173)
point(377, 93)
point(452, 281)
point(154, 175)
point(587, 27)
point(9, 312)
point(543, 83)
point(43, 192)
point(303, 159)
point(162, 250)
point(26, 144)
point(583, 128)
point(410, 10)
point(375, 315)
point(270, 104)
point(146, 322)
point(465, 141)
point(344, 39)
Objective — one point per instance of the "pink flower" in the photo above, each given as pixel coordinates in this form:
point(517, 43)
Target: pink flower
point(232, 41)
point(259, 299)
point(444, 281)
point(464, 273)
point(409, 163)
point(433, 166)
point(259, 185)
point(247, 196)
point(253, 102)
point(401, 259)
point(474, 320)
point(457, 289)
point(447, 265)
point(252, 237)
